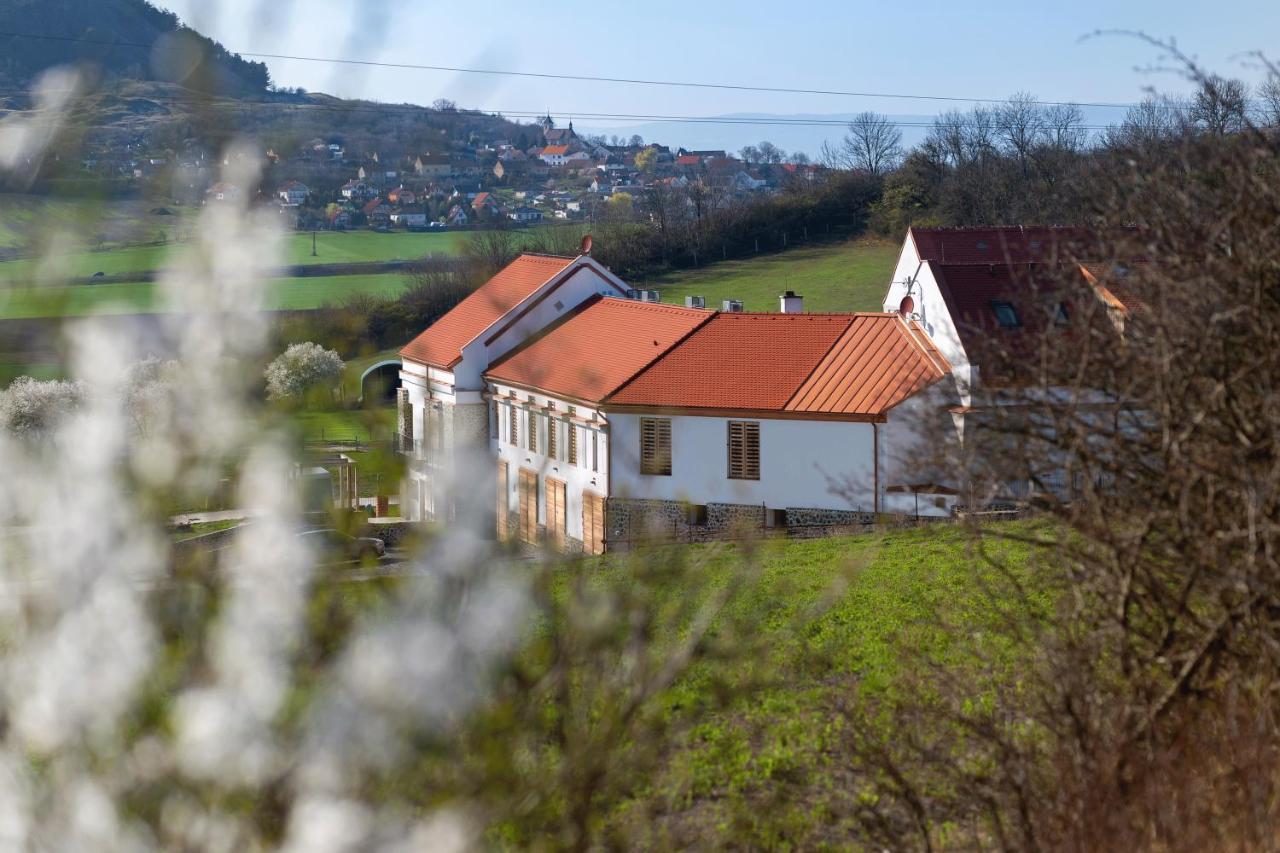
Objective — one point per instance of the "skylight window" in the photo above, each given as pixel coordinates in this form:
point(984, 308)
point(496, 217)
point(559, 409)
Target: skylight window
point(1006, 315)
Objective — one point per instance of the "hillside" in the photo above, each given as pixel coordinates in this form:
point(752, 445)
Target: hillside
point(113, 39)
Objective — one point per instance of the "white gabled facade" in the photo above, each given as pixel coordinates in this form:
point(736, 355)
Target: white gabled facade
point(446, 408)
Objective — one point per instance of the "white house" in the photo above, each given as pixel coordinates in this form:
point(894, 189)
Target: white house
point(293, 193)
point(606, 416)
point(631, 417)
point(977, 290)
point(443, 411)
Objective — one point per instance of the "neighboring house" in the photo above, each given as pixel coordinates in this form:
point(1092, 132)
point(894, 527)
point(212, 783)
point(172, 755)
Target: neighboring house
point(354, 190)
point(526, 214)
point(402, 197)
point(222, 191)
point(377, 212)
point(444, 421)
point(554, 155)
point(293, 193)
point(409, 217)
point(973, 289)
point(433, 165)
point(484, 204)
point(602, 184)
point(457, 215)
point(605, 415)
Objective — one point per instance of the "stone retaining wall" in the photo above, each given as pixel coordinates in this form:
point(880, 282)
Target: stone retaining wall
point(731, 516)
point(804, 517)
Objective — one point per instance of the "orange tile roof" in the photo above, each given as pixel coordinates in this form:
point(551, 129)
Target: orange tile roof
point(598, 347)
point(555, 150)
point(856, 365)
point(878, 362)
point(441, 344)
point(738, 361)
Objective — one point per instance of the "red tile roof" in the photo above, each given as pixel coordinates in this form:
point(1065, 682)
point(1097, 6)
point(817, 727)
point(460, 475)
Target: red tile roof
point(597, 348)
point(556, 150)
point(738, 361)
point(688, 160)
point(878, 362)
point(835, 364)
point(1005, 245)
point(441, 345)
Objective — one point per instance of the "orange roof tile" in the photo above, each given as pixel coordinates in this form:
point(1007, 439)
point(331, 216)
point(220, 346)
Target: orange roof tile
point(738, 361)
point(597, 348)
point(878, 362)
point(857, 365)
point(441, 344)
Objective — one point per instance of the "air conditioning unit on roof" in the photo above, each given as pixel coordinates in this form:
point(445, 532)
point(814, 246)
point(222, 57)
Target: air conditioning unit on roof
point(695, 302)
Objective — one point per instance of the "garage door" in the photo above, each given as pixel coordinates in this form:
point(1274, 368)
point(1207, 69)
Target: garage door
point(504, 504)
point(529, 506)
point(557, 497)
point(593, 523)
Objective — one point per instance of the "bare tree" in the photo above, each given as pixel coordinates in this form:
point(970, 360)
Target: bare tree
point(1220, 105)
point(1064, 127)
point(1020, 125)
point(1269, 100)
point(873, 144)
point(770, 154)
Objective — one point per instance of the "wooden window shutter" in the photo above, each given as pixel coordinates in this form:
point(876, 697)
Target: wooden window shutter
point(744, 450)
point(655, 446)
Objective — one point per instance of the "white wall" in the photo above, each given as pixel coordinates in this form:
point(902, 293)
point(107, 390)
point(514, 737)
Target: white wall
point(590, 474)
point(933, 313)
point(798, 461)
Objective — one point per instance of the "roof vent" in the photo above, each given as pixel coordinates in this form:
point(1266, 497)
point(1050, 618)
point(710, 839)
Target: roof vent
point(731, 306)
point(791, 303)
point(695, 302)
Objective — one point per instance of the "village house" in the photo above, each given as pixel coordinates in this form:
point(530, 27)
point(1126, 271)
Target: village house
point(377, 212)
point(433, 165)
point(293, 194)
point(606, 416)
point(402, 197)
point(355, 190)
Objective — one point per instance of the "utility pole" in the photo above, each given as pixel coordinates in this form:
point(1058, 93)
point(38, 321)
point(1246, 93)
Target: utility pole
point(313, 244)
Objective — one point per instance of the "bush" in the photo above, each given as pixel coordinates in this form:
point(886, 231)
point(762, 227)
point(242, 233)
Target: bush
point(31, 407)
point(301, 370)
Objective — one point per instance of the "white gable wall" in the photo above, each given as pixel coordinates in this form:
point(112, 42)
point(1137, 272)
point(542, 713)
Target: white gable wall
point(587, 280)
point(798, 462)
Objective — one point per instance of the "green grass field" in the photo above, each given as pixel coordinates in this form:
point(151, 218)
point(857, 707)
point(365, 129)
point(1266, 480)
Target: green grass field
point(851, 276)
point(331, 248)
point(828, 620)
point(285, 294)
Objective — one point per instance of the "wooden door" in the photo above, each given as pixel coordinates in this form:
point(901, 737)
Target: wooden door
point(504, 502)
point(529, 506)
point(593, 507)
point(557, 521)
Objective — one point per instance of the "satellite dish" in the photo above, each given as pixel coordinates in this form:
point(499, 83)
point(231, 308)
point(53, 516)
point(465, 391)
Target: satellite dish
point(586, 245)
point(907, 307)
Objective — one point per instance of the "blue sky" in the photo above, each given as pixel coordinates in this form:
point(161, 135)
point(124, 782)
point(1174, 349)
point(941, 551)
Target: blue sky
point(986, 49)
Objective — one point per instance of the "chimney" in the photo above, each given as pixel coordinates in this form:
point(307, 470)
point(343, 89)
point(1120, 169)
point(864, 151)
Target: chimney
point(791, 303)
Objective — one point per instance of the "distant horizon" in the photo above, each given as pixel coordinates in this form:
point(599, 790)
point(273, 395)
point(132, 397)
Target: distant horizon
point(941, 51)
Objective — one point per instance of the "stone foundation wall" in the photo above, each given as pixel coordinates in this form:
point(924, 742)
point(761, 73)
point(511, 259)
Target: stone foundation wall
point(723, 516)
point(639, 519)
point(804, 517)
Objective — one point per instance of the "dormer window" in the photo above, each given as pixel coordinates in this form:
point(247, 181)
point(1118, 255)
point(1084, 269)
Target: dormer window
point(1006, 315)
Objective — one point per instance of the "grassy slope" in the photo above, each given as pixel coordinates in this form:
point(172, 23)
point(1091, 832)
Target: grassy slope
point(851, 276)
point(331, 248)
point(835, 617)
point(286, 294)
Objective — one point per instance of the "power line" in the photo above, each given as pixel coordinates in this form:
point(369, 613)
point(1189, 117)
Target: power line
point(583, 77)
